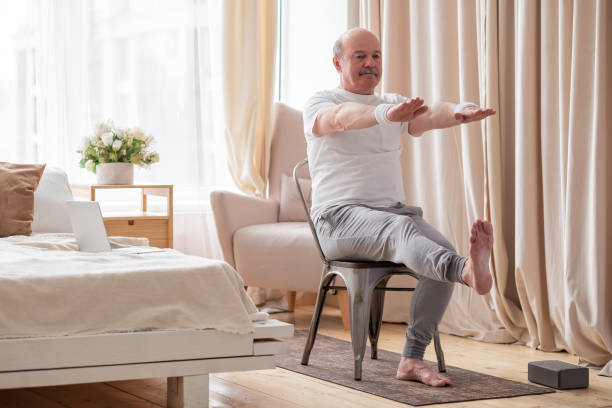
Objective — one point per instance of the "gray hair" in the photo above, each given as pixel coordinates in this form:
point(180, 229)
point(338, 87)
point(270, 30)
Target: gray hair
point(338, 46)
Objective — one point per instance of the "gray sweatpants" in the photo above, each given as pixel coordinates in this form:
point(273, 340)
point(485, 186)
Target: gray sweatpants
point(397, 234)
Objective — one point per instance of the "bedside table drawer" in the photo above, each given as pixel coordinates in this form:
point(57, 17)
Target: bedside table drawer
point(155, 230)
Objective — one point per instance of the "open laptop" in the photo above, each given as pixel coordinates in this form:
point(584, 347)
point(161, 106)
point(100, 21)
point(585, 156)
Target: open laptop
point(90, 232)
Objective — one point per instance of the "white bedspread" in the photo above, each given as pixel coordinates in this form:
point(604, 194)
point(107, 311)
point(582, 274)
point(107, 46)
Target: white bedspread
point(48, 288)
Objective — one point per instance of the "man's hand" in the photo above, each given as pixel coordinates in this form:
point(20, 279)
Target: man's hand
point(471, 114)
point(406, 111)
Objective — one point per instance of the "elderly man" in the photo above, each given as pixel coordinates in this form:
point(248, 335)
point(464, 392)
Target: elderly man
point(358, 209)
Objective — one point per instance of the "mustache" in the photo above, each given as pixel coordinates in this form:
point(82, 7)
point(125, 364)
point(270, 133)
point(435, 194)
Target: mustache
point(369, 71)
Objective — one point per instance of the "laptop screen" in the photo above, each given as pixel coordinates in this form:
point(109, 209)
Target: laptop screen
point(88, 226)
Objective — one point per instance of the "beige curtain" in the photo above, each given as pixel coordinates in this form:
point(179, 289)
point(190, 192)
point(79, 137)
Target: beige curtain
point(537, 170)
point(248, 53)
point(562, 189)
point(432, 49)
point(249, 30)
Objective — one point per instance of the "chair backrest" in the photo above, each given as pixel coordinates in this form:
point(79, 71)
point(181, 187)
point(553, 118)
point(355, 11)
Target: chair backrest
point(296, 170)
point(288, 146)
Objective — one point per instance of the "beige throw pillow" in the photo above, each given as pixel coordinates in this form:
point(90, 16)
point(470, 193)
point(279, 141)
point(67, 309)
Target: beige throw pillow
point(291, 208)
point(17, 185)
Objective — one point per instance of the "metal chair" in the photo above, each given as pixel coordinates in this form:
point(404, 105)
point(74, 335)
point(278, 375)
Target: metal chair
point(366, 284)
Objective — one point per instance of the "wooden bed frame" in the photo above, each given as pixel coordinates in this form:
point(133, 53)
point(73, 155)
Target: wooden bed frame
point(185, 357)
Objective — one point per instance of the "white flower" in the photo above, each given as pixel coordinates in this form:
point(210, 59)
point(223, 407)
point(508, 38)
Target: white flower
point(138, 134)
point(120, 133)
point(90, 165)
point(104, 127)
point(107, 138)
point(117, 145)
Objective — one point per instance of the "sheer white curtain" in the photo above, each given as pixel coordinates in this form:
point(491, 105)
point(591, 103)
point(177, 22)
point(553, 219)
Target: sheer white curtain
point(305, 61)
point(140, 63)
point(17, 84)
point(60, 68)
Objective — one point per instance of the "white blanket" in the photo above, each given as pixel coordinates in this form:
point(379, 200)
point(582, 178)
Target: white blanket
point(48, 288)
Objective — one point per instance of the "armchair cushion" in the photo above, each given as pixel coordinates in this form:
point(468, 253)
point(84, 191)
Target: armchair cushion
point(291, 208)
point(279, 255)
point(234, 211)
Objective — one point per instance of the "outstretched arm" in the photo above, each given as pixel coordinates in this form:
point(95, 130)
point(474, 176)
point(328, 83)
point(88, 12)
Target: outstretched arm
point(353, 115)
point(442, 115)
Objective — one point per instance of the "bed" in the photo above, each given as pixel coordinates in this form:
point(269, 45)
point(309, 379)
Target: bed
point(70, 317)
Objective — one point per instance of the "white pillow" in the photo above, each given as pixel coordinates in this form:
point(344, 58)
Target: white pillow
point(291, 207)
point(50, 214)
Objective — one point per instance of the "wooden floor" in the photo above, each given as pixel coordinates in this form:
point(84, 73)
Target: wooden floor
point(283, 389)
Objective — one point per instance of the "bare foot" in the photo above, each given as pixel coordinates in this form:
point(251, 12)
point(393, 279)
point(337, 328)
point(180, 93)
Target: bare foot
point(413, 369)
point(476, 271)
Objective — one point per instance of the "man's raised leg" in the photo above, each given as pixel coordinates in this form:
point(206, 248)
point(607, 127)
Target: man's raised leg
point(476, 273)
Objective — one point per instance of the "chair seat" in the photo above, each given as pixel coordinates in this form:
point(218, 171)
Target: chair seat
point(371, 265)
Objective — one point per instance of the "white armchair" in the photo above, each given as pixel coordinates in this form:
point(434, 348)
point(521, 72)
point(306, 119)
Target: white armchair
point(268, 241)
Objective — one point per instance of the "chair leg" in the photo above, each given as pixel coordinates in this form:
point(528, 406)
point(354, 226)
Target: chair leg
point(359, 304)
point(378, 301)
point(316, 316)
point(290, 297)
point(343, 304)
point(439, 352)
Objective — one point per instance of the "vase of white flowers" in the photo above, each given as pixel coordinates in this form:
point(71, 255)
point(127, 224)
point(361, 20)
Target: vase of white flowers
point(111, 153)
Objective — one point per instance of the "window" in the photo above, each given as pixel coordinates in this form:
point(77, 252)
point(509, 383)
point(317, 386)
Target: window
point(151, 64)
point(17, 83)
point(307, 36)
point(140, 63)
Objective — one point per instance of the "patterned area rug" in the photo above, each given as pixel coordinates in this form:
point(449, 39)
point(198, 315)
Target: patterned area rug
point(332, 360)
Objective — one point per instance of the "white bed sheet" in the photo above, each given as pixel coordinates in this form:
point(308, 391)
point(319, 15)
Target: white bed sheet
point(48, 288)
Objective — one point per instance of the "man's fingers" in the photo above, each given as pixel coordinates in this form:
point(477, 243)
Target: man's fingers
point(483, 113)
point(417, 102)
point(472, 115)
point(407, 110)
point(412, 105)
point(420, 111)
point(476, 116)
point(413, 110)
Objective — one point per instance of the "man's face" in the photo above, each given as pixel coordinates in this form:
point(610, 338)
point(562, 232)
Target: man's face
point(360, 67)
